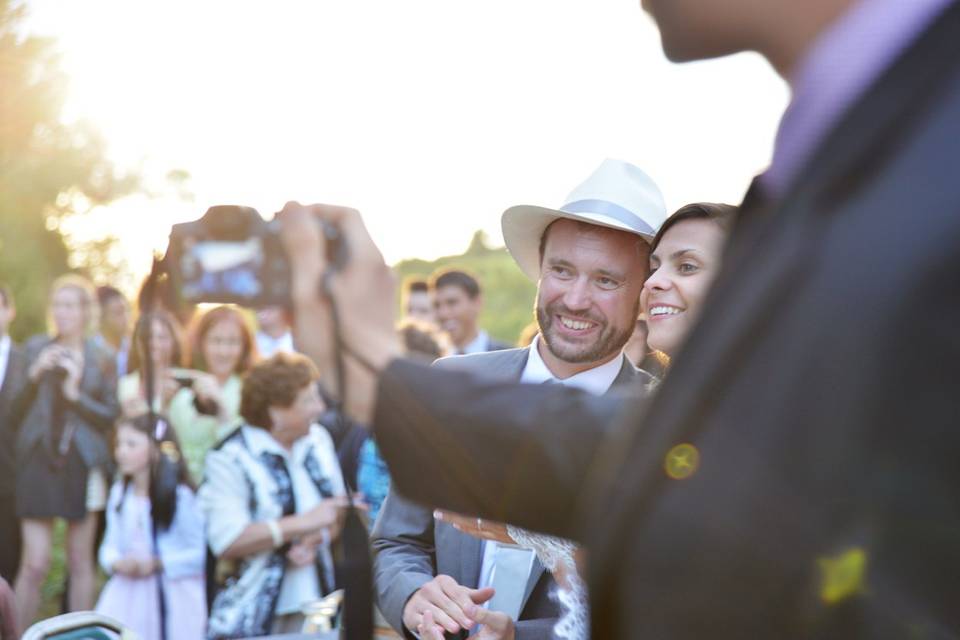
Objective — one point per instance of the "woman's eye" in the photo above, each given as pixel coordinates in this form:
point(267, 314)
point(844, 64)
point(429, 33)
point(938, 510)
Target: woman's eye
point(687, 267)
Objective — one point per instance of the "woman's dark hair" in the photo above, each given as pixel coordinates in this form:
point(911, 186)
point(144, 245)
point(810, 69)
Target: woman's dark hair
point(168, 469)
point(139, 331)
point(722, 214)
point(202, 326)
point(274, 382)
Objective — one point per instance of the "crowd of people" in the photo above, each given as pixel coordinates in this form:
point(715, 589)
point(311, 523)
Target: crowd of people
point(776, 477)
point(219, 490)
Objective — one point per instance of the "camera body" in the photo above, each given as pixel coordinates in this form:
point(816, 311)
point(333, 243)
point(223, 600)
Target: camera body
point(230, 255)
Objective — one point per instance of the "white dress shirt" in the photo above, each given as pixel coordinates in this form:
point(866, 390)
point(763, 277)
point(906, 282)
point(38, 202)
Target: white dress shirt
point(300, 584)
point(479, 344)
point(4, 357)
point(267, 345)
point(596, 381)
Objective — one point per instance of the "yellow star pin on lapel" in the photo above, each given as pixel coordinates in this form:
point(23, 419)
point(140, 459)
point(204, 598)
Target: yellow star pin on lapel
point(681, 461)
point(842, 575)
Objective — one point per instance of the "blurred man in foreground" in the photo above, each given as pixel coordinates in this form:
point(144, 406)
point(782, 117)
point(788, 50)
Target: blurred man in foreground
point(786, 481)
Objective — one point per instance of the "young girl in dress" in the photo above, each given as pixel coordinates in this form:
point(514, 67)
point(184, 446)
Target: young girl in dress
point(154, 537)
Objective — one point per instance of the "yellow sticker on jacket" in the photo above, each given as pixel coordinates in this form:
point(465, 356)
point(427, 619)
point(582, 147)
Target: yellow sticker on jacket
point(681, 461)
point(843, 575)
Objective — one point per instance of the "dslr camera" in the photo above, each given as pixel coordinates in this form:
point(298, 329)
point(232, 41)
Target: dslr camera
point(233, 255)
point(230, 255)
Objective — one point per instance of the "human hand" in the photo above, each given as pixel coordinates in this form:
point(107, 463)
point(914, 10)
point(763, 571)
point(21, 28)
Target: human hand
point(46, 360)
point(364, 290)
point(146, 567)
point(447, 602)
point(206, 387)
point(494, 625)
point(328, 514)
point(302, 553)
point(168, 388)
point(476, 527)
point(72, 364)
point(127, 567)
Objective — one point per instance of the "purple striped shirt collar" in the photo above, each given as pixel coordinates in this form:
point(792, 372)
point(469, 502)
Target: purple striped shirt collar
point(840, 66)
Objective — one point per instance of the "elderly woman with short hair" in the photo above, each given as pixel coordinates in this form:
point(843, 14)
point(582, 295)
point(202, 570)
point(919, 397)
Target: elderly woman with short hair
point(273, 497)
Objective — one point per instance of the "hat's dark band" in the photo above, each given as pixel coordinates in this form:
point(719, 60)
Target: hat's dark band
point(611, 210)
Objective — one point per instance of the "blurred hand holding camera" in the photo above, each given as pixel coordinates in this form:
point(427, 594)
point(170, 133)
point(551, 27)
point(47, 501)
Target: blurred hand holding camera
point(363, 289)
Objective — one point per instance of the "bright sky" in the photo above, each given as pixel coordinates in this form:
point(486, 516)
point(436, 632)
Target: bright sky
point(431, 116)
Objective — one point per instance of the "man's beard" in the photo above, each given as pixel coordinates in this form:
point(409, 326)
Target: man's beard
point(608, 342)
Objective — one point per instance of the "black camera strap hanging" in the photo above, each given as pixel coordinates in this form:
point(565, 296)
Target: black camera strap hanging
point(148, 301)
point(354, 567)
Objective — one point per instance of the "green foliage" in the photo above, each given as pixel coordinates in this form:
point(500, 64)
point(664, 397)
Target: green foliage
point(48, 172)
point(508, 294)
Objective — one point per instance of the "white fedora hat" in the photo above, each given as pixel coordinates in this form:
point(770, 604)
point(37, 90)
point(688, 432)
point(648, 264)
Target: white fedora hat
point(617, 195)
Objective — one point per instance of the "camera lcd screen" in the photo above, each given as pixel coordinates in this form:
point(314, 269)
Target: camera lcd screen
point(220, 270)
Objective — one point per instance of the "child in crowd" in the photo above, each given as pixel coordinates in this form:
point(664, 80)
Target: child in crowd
point(154, 538)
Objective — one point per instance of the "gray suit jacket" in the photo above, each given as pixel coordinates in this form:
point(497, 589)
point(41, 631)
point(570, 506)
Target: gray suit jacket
point(93, 413)
point(411, 548)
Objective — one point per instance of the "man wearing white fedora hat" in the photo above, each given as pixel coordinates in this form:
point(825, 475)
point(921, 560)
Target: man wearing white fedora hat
point(590, 259)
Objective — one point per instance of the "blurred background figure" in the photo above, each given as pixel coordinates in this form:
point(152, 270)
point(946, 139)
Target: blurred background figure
point(273, 331)
point(272, 496)
point(65, 414)
point(457, 301)
point(155, 534)
point(166, 352)
point(359, 456)
point(114, 332)
point(11, 378)
point(640, 354)
point(417, 302)
point(222, 349)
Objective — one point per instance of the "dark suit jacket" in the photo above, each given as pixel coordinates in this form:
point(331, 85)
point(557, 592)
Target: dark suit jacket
point(13, 380)
point(411, 548)
point(820, 390)
point(93, 413)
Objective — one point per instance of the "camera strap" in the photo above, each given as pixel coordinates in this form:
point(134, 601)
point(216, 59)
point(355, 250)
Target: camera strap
point(354, 567)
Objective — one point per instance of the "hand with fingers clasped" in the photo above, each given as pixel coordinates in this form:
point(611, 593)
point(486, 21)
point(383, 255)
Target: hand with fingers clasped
point(446, 602)
point(493, 626)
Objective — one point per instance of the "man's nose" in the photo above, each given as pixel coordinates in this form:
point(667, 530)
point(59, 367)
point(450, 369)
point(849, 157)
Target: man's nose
point(577, 295)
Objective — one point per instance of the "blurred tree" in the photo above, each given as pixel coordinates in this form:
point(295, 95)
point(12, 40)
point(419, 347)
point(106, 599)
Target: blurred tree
point(49, 170)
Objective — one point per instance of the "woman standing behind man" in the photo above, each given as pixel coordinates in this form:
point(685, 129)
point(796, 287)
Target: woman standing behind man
point(64, 415)
point(165, 352)
point(222, 349)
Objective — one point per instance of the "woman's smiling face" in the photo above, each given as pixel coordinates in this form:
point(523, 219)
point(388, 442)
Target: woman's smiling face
point(682, 268)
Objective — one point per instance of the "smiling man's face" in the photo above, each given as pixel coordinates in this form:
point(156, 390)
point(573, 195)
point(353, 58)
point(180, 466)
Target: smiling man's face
point(589, 290)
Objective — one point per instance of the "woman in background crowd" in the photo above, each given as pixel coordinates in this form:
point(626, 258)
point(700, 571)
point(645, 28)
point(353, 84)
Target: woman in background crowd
point(221, 350)
point(64, 415)
point(155, 536)
point(273, 497)
point(166, 352)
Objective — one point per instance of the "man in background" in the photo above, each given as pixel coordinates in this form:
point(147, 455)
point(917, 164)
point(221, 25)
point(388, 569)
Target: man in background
point(417, 302)
point(273, 331)
point(12, 365)
point(458, 301)
point(114, 325)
